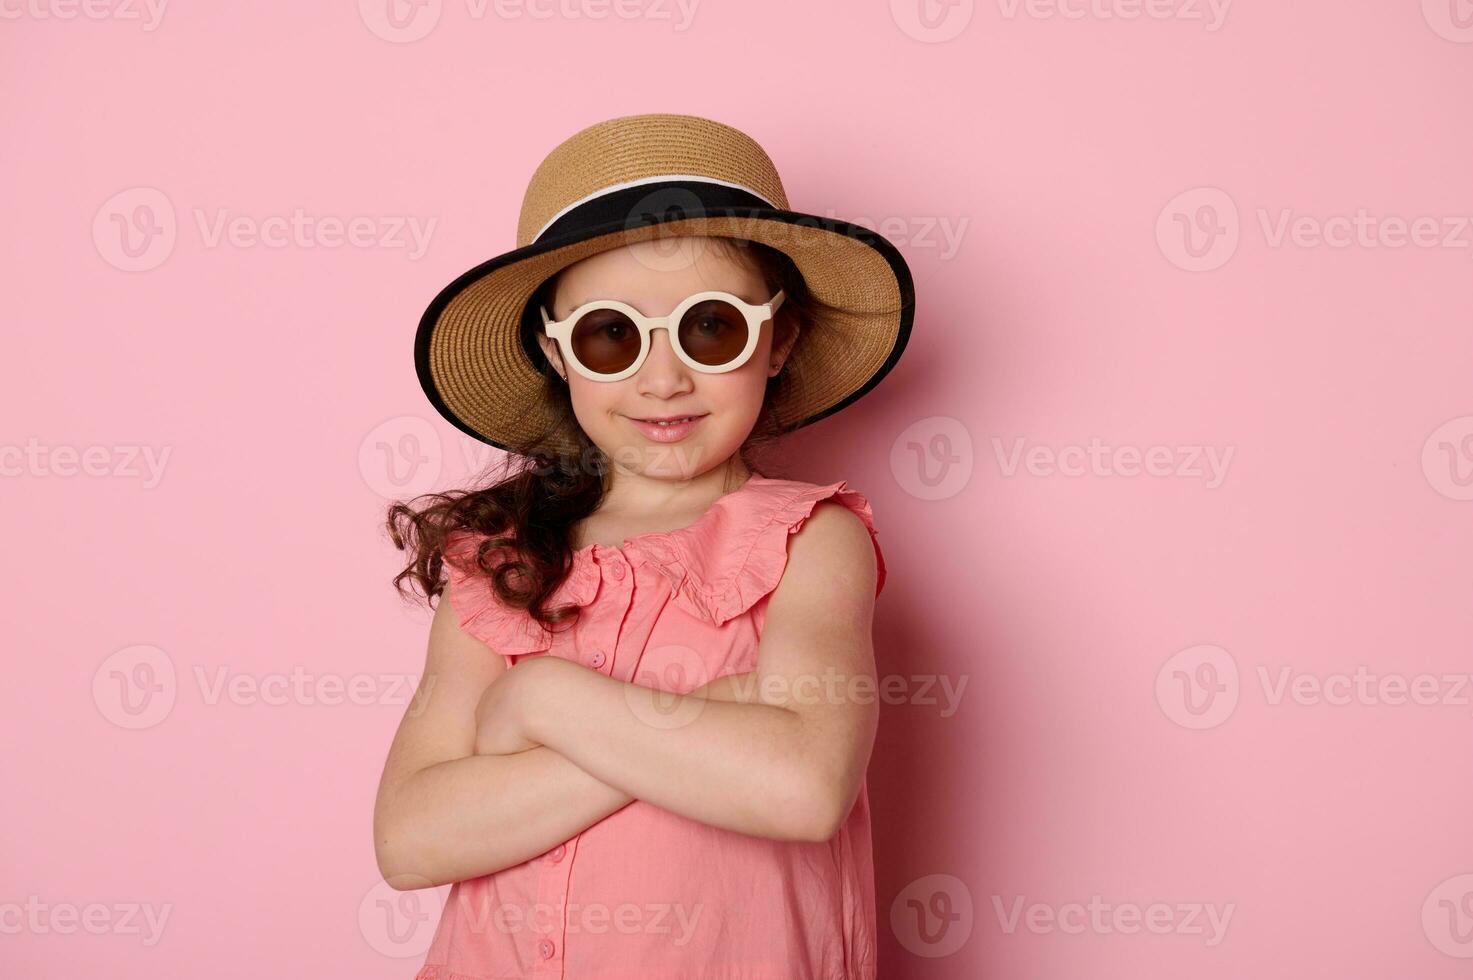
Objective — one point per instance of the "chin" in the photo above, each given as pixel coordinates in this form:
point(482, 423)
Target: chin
point(682, 460)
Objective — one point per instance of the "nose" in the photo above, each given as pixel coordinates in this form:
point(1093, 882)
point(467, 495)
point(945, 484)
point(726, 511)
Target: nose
point(663, 374)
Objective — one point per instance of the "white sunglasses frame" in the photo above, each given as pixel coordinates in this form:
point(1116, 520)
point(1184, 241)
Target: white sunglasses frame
point(756, 314)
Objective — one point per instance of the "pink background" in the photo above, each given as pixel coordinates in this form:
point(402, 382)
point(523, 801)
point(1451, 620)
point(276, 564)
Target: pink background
point(1064, 154)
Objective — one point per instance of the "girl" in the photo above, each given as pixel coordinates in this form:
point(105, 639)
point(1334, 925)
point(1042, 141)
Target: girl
point(647, 707)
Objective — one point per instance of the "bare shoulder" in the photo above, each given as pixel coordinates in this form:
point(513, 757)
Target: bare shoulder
point(833, 546)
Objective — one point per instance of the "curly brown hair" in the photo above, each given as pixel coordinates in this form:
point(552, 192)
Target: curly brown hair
point(530, 508)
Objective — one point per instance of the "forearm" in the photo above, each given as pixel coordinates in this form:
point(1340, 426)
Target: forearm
point(477, 815)
point(736, 764)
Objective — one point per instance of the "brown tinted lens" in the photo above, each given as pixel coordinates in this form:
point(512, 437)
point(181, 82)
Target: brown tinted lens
point(713, 332)
point(605, 341)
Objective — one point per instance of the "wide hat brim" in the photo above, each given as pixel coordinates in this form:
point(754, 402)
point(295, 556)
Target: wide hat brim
point(476, 351)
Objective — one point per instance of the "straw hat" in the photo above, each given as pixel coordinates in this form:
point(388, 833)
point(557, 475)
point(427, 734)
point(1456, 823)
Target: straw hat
point(631, 179)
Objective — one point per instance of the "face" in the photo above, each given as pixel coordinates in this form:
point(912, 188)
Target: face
point(653, 277)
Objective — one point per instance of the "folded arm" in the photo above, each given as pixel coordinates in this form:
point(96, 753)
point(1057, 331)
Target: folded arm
point(444, 813)
point(788, 764)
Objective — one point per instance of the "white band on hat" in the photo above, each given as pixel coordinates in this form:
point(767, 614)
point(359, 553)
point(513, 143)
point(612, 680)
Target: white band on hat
point(647, 180)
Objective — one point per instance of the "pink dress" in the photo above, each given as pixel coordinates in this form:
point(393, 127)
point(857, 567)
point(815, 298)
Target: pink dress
point(646, 894)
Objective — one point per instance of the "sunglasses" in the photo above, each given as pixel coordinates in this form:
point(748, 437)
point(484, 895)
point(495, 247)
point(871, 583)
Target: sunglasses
point(712, 332)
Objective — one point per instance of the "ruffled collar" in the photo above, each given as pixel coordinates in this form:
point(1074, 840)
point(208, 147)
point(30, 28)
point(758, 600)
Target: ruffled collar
point(717, 567)
point(662, 550)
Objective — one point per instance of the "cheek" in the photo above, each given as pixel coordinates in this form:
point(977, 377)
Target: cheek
point(737, 395)
point(594, 400)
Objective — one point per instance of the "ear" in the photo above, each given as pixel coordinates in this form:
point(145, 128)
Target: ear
point(553, 354)
point(785, 332)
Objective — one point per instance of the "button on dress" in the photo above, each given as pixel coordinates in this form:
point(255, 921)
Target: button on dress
point(647, 894)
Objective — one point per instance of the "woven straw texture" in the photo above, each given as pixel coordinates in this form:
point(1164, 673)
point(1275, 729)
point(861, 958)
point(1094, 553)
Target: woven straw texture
point(475, 356)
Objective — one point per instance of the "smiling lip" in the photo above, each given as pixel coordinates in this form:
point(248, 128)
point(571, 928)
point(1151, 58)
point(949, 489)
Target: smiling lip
point(673, 432)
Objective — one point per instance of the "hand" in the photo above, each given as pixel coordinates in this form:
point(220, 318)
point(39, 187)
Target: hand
point(502, 711)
